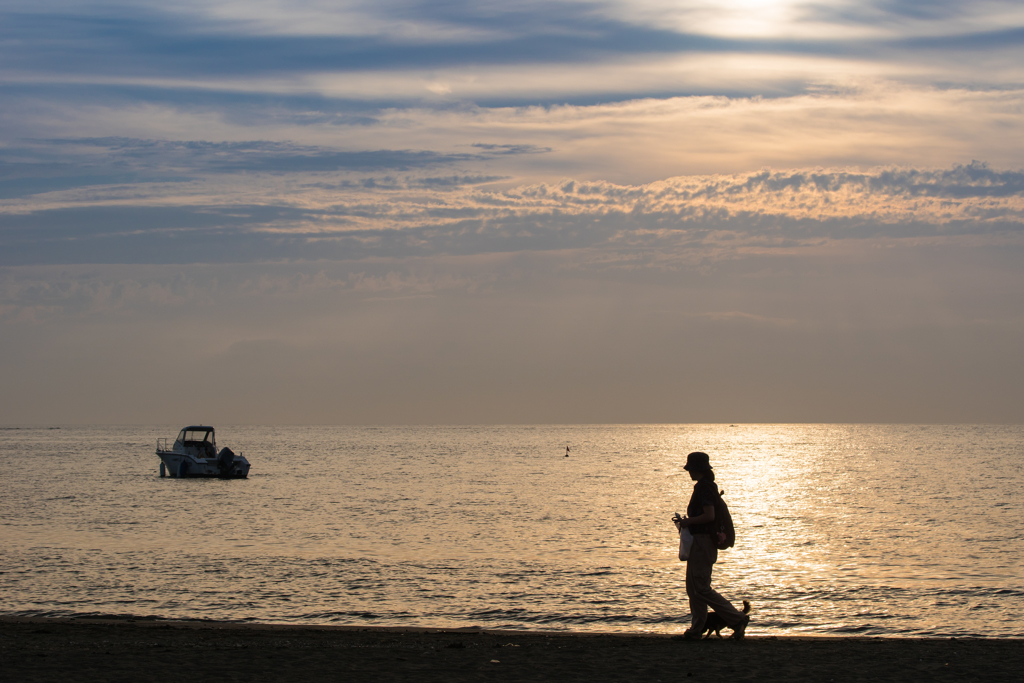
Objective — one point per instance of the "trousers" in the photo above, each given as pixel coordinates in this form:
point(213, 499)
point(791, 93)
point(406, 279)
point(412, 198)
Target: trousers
point(703, 556)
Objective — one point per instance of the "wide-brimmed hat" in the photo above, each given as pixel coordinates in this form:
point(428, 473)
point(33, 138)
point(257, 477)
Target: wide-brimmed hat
point(697, 462)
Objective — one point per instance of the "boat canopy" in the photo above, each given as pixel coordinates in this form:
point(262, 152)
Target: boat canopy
point(193, 434)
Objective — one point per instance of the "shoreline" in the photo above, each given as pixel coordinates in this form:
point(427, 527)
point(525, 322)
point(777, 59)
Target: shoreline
point(103, 649)
point(163, 623)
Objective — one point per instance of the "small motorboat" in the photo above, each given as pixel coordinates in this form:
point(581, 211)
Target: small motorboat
point(194, 454)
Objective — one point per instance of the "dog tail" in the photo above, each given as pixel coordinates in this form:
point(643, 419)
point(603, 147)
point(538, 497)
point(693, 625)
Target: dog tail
point(746, 606)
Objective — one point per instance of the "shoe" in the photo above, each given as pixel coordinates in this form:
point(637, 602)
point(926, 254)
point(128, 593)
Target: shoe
point(741, 628)
point(687, 635)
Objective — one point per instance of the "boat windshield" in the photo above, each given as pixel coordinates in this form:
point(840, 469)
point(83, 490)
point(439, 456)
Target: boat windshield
point(193, 435)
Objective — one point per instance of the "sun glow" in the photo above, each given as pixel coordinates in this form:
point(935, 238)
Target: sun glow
point(750, 18)
point(739, 18)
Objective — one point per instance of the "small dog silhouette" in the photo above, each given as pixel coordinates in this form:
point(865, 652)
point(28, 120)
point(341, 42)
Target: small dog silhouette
point(716, 623)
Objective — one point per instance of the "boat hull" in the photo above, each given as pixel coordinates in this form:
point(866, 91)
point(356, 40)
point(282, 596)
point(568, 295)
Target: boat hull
point(184, 466)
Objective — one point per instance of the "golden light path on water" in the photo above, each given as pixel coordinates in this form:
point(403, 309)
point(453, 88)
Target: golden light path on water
point(841, 529)
point(836, 512)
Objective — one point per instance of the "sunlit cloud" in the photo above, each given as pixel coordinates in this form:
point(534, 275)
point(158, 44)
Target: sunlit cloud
point(287, 46)
point(400, 215)
point(862, 124)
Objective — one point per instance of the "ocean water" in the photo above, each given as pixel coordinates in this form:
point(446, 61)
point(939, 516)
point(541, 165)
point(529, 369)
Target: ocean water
point(841, 529)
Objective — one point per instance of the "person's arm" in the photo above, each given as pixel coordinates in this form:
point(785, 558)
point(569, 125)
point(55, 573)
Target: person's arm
point(707, 516)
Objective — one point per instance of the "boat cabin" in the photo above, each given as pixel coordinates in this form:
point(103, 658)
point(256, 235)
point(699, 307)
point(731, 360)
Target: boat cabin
point(200, 439)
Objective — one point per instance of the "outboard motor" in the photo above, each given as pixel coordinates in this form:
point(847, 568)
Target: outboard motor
point(225, 461)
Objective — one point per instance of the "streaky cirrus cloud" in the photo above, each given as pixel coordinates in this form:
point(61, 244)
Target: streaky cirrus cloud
point(412, 51)
point(866, 124)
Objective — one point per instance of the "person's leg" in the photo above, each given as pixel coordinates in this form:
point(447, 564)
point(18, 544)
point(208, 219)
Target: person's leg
point(698, 582)
point(699, 590)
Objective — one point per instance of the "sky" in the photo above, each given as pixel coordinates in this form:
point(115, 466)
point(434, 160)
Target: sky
point(452, 212)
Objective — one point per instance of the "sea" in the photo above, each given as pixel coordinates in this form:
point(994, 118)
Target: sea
point(842, 530)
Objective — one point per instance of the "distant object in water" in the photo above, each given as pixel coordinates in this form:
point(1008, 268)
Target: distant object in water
point(194, 454)
point(567, 451)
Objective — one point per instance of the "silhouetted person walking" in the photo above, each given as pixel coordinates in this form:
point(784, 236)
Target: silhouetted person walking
point(700, 513)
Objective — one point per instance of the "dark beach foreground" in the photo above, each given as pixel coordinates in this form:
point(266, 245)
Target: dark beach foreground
point(112, 650)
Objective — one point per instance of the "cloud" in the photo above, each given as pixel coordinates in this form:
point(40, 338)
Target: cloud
point(511, 149)
point(257, 156)
point(857, 124)
point(431, 216)
point(152, 43)
point(38, 166)
point(375, 50)
point(912, 16)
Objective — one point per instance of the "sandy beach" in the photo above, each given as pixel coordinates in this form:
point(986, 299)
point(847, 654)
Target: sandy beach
point(111, 650)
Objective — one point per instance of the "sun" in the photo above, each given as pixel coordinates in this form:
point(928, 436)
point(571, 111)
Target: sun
point(750, 18)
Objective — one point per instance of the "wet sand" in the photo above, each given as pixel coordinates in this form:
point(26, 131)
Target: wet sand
point(195, 652)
